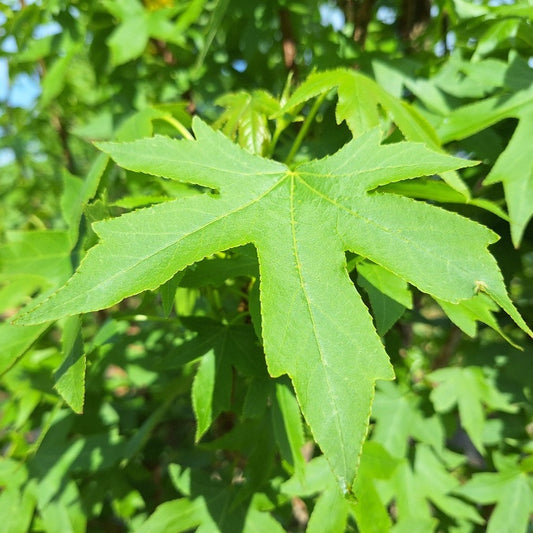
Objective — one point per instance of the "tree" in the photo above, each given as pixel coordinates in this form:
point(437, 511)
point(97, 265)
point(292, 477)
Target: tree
point(265, 266)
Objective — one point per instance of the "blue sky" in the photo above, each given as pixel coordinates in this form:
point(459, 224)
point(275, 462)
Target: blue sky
point(25, 89)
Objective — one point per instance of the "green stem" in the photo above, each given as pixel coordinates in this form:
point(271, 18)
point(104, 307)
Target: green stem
point(179, 126)
point(238, 318)
point(305, 128)
point(277, 132)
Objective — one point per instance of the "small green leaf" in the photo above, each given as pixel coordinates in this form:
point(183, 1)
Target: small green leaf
point(317, 477)
point(211, 391)
point(465, 315)
point(389, 295)
point(246, 118)
point(514, 169)
point(399, 420)
point(129, 40)
point(176, 515)
point(288, 428)
point(386, 282)
point(511, 490)
point(217, 269)
point(222, 348)
point(55, 79)
point(370, 511)
point(438, 484)
point(15, 342)
point(190, 15)
point(168, 292)
point(17, 507)
point(70, 376)
point(330, 512)
point(469, 390)
point(37, 253)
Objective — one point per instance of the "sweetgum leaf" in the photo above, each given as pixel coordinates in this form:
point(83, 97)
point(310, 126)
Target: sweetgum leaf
point(246, 116)
point(510, 489)
point(361, 102)
point(514, 166)
point(315, 326)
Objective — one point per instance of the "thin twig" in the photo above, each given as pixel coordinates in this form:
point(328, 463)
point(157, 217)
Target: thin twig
point(288, 41)
point(362, 18)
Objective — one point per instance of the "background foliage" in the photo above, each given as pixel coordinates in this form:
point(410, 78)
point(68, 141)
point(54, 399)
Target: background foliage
point(158, 414)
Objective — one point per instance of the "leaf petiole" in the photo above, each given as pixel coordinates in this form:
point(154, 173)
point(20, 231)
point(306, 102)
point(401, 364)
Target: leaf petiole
point(179, 126)
point(305, 128)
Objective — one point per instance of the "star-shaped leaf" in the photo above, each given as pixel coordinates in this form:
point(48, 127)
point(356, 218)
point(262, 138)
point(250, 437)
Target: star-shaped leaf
point(510, 489)
point(514, 166)
point(315, 326)
point(246, 117)
point(362, 103)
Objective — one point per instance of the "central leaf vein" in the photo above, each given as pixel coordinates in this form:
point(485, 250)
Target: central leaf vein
point(324, 363)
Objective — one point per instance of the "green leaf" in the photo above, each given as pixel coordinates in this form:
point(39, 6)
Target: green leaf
point(222, 348)
point(209, 506)
point(160, 27)
point(259, 452)
point(399, 419)
point(439, 191)
point(30, 260)
point(16, 509)
point(246, 118)
point(129, 40)
point(70, 376)
point(16, 291)
point(385, 310)
point(438, 484)
point(190, 15)
point(211, 391)
point(37, 253)
point(386, 282)
point(330, 512)
point(388, 294)
point(496, 35)
point(360, 104)
point(315, 326)
point(65, 512)
point(168, 293)
point(288, 428)
point(217, 269)
point(317, 476)
point(176, 515)
point(465, 315)
point(467, 79)
point(512, 492)
point(71, 206)
point(469, 390)
point(55, 79)
point(413, 509)
point(77, 192)
point(359, 101)
point(513, 167)
point(15, 342)
point(369, 511)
